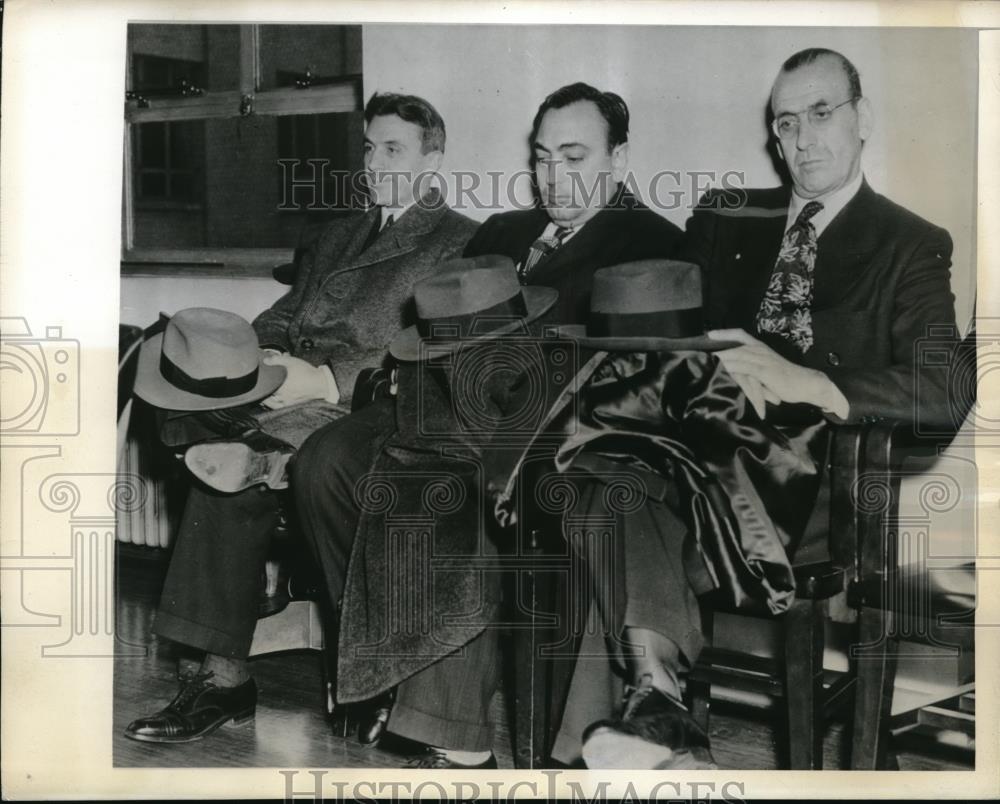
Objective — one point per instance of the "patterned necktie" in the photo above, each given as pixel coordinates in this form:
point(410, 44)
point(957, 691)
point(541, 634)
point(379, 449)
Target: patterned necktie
point(540, 249)
point(787, 306)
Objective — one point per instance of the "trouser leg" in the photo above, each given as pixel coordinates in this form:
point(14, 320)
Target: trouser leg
point(209, 597)
point(448, 703)
point(324, 474)
point(637, 571)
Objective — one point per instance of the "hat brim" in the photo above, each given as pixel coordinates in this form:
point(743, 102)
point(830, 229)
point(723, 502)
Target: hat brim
point(152, 388)
point(410, 346)
point(696, 343)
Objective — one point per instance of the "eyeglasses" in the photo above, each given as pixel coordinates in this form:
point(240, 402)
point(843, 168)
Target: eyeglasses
point(820, 115)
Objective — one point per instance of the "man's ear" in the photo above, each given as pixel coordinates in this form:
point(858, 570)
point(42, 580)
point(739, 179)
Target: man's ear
point(866, 119)
point(619, 161)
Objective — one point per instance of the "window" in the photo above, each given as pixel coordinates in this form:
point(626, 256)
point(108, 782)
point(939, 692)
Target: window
point(238, 137)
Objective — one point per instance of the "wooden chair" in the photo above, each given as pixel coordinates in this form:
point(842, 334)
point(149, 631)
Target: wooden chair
point(796, 674)
point(857, 543)
point(929, 601)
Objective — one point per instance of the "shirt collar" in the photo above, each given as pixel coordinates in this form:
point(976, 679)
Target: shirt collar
point(832, 204)
point(396, 212)
point(551, 227)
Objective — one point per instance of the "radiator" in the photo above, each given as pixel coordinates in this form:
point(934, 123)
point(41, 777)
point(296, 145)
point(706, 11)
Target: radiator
point(153, 523)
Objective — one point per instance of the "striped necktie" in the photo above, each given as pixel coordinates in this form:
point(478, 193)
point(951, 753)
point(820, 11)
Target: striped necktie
point(540, 249)
point(786, 310)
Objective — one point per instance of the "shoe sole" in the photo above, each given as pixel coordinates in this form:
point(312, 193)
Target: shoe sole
point(607, 749)
point(241, 719)
point(234, 468)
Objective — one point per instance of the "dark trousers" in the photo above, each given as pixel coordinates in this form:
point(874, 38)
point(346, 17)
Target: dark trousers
point(638, 581)
point(447, 704)
point(209, 598)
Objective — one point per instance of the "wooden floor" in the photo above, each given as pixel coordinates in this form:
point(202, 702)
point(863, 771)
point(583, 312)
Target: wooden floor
point(291, 728)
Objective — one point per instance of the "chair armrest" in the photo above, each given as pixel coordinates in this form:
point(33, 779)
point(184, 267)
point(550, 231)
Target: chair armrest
point(867, 504)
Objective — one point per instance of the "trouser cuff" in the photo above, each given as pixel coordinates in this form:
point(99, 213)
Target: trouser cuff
point(429, 729)
point(198, 635)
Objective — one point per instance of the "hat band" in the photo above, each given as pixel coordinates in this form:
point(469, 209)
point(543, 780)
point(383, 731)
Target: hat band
point(658, 324)
point(459, 326)
point(214, 387)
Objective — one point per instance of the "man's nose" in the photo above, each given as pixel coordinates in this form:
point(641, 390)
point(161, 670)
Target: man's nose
point(806, 135)
point(551, 172)
point(374, 162)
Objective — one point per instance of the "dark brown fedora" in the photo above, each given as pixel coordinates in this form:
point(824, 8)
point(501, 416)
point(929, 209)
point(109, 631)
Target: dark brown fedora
point(470, 300)
point(646, 306)
point(205, 359)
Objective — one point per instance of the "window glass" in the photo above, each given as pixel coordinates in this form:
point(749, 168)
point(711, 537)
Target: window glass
point(326, 52)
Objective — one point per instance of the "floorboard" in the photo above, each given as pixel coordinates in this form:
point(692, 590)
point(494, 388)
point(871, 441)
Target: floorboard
point(291, 728)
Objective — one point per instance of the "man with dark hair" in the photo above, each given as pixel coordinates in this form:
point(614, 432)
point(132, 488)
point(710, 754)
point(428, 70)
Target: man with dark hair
point(410, 109)
point(352, 293)
point(585, 219)
point(827, 287)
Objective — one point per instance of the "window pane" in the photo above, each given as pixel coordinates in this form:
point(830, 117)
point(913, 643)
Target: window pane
point(163, 56)
point(328, 52)
point(187, 145)
point(153, 185)
point(169, 150)
point(152, 151)
point(228, 191)
point(182, 186)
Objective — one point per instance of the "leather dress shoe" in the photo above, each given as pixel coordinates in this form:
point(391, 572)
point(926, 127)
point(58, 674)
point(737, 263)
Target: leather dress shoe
point(438, 760)
point(655, 731)
point(232, 466)
point(199, 709)
point(373, 725)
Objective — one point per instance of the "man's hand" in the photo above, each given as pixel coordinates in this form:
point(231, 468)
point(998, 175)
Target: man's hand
point(765, 376)
point(304, 382)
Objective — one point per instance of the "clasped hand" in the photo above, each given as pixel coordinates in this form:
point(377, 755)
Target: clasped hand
point(303, 382)
point(765, 376)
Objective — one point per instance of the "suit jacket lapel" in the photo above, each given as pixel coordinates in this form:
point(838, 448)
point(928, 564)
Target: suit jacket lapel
point(580, 247)
point(754, 252)
point(527, 235)
point(845, 248)
point(401, 238)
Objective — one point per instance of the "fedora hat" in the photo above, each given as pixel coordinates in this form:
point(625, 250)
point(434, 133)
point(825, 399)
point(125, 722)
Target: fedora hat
point(204, 359)
point(646, 306)
point(471, 299)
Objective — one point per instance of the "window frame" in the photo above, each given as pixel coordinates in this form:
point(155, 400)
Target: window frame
point(342, 95)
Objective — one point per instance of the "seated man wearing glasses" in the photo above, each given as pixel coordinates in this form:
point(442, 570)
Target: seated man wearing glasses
point(827, 286)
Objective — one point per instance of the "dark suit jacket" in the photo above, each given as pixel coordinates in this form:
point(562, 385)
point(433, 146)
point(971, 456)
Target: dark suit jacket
point(623, 231)
point(881, 279)
point(346, 305)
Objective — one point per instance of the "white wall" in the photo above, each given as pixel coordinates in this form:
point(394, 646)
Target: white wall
point(697, 97)
point(143, 298)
